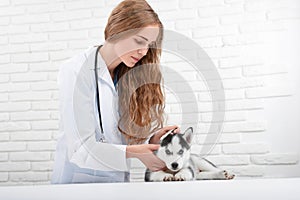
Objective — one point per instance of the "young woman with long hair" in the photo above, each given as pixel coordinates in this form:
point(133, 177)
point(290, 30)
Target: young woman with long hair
point(112, 102)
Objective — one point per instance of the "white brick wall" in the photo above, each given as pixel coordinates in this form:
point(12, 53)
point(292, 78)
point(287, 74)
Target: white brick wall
point(37, 35)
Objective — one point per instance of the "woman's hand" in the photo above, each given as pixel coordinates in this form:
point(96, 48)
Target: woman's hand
point(155, 139)
point(144, 152)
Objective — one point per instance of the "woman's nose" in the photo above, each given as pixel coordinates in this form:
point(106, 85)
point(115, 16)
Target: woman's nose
point(143, 51)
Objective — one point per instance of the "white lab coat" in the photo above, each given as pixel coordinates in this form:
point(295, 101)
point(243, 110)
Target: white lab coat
point(80, 157)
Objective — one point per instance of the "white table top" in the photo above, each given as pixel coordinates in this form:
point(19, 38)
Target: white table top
point(284, 188)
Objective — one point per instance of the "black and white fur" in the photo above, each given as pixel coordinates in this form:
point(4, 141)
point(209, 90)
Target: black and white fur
point(181, 165)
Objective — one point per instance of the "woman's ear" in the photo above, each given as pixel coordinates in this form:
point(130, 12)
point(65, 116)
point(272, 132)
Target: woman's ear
point(188, 134)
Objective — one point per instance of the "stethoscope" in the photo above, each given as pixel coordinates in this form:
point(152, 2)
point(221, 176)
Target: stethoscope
point(102, 138)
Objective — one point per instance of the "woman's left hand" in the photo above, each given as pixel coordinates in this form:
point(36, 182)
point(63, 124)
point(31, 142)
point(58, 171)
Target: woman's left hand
point(155, 139)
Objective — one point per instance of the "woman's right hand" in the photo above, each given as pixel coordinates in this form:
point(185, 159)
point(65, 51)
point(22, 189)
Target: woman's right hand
point(144, 152)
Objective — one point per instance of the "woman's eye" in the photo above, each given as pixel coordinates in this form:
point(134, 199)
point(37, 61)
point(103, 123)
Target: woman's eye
point(139, 42)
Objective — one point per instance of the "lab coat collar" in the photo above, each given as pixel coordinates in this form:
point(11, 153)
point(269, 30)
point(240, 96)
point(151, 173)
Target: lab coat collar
point(103, 72)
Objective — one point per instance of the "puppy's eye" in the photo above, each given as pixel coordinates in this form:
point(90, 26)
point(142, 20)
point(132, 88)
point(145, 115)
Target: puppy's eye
point(180, 152)
point(168, 152)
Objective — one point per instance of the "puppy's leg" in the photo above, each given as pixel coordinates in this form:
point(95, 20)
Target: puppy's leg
point(220, 175)
point(161, 176)
point(204, 165)
point(207, 170)
point(186, 174)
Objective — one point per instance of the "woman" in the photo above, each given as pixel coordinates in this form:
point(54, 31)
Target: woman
point(109, 111)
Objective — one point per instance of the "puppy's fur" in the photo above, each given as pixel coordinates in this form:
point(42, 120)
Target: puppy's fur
point(181, 165)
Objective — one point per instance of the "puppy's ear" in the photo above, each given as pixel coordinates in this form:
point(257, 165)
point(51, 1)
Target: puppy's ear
point(188, 134)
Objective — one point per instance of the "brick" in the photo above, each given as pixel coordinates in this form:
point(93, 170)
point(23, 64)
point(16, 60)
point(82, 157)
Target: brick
point(260, 70)
point(28, 176)
point(253, 82)
point(283, 14)
point(262, 26)
point(15, 106)
point(30, 116)
point(14, 166)
point(215, 31)
point(232, 83)
point(42, 166)
point(45, 8)
point(44, 125)
point(3, 176)
point(4, 3)
point(253, 126)
point(275, 91)
point(3, 157)
point(28, 2)
point(4, 97)
point(4, 59)
point(19, 48)
point(247, 171)
point(14, 126)
point(30, 19)
point(243, 39)
point(30, 57)
point(203, 3)
point(244, 126)
point(4, 137)
point(205, 150)
point(42, 86)
point(229, 116)
point(41, 146)
point(222, 138)
point(87, 24)
point(275, 159)
point(4, 117)
point(136, 163)
point(71, 15)
point(42, 67)
point(13, 68)
point(4, 78)
point(229, 160)
point(220, 10)
point(210, 42)
point(3, 39)
point(251, 148)
point(68, 35)
point(230, 73)
point(243, 18)
point(182, 24)
point(10, 11)
point(28, 38)
point(30, 96)
point(29, 156)
point(30, 135)
point(234, 94)
point(48, 46)
point(45, 105)
point(49, 27)
point(245, 104)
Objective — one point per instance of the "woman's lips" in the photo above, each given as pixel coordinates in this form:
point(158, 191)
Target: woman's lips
point(135, 59)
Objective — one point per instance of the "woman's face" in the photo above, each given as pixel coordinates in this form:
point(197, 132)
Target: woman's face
point(131, 49)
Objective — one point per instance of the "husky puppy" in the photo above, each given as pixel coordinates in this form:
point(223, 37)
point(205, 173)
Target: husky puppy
point(181, 165)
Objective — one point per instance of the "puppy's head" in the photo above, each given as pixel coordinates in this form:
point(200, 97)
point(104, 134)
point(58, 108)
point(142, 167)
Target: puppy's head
point(175, 149)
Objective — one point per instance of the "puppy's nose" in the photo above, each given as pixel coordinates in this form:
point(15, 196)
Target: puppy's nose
point(174, 165)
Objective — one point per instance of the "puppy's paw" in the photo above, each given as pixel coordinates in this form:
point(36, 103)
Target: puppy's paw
point(179, 178)
point(168, 177)
point(227, 175)
point(183, 176)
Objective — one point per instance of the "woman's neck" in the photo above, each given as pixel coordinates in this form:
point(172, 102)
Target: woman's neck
point(110, 57)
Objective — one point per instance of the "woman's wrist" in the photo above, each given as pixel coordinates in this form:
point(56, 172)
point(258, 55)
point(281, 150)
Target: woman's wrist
point(130, 151)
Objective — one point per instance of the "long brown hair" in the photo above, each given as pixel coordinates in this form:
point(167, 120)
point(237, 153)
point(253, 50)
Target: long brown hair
point(141, 99)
